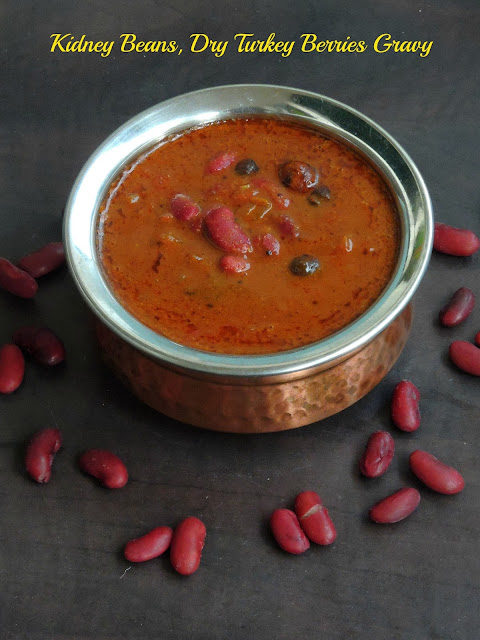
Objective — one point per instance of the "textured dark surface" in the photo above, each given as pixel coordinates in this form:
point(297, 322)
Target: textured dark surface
point(61, 567)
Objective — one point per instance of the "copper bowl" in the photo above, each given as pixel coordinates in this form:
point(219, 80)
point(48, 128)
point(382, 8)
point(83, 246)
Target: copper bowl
point(251, 394)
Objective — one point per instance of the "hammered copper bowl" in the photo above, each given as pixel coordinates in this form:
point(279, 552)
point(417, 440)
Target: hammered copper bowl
point(252, 394)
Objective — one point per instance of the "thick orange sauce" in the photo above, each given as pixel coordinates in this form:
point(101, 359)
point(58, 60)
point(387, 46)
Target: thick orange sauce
point(166, 271)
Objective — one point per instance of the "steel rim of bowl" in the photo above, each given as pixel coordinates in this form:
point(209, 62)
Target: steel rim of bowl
point(220, 103)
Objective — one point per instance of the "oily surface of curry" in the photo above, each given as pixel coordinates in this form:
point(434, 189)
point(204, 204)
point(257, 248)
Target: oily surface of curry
point(248, 236)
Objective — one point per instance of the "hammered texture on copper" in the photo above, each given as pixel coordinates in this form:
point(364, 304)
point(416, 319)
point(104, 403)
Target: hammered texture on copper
point(255, 408)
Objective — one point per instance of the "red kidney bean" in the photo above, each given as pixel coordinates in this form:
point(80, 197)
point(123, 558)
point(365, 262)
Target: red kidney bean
point(455, 242)
point(395, 507)
point(404, 409)
point(225, 233)
point(458, 309)
point(234, 264)
point(435, 474)
point(40, 343)
point(287, 227)
point(268, 243)
point(12, 368)
point(287, 531)
point(105, 466)
point(466, 356)
point(44, 260)
point(186, 547)
point(378, 454)
point(16, 281)
point(221, 161)
point(314, 519)
point(183, 207)
point(298, 176)
point(40, 453)
point(149, 546)
point(477, 339)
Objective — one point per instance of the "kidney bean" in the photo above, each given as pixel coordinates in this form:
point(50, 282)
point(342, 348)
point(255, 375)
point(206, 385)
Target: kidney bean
point(405, 411)
point(458, 309)
point(246, 167)
point(395, 507)
point(298, 176)
point(314, 519)
point(183, 207)
point(234, 264)
point(40, 453)
point(105, 466)
point(435, 474)
point(149, 546)
point(378, 454)
point(287, 227)
point(304, 265)
point(40, 343)
point(16, 281)
point(187, 543)
point(12, 368)
point(287, 531)
point(268, 243)
point(225, 233)
point(221, 161)
point(466, 356)
point(454, 241)
point(44, 260)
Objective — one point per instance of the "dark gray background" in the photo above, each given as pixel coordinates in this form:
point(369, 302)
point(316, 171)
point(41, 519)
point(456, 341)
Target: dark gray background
point(61, 566)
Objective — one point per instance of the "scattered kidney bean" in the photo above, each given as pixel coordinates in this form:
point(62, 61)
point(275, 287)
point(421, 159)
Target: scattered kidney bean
point(287, 531)
point(12, 368)
point(378, 454)
point(186, 547)
point(225, 233)
point(220, 162)
point(405, 411)
point(40, 343)
point(268, 243)
point(149, 546)
point(246, 167)
point(40, 453)
point(314, 519)
point(298, 176)
point(183, 207)
point(16, 281)
point(234, 264)
point(44, 260)
point(304, 265)
point(287, 227)
point(466, 356)
point(458, 309)
point(105, 466)
point(395, 507)
point(435, 474)
point(453, 241)
point(319, 195)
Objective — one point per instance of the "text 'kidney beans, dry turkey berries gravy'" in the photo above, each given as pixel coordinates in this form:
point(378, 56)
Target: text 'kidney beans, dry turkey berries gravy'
point(248, 236)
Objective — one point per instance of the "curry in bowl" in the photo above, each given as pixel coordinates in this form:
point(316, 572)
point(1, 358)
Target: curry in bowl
point(248, 236)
